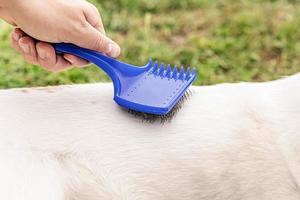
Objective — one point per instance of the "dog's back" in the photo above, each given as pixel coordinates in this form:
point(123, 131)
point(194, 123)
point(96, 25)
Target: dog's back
point(230, 141)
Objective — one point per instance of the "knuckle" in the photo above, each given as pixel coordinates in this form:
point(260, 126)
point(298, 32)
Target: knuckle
point(96, 12)
point(80, 29)
point(100, 44)
point(91, 8)
point(73, 30)
point(40, 45)
point(94, 8)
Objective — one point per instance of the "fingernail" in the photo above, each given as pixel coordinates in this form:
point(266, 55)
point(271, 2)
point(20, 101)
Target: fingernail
point(69, 59)
point(15, 36)
point(24, 47)
point(42, 53)
point(113, 50)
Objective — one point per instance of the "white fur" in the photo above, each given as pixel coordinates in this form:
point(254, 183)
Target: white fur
point(229, 141)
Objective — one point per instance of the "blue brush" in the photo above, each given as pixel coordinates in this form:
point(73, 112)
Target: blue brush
point(153, 88)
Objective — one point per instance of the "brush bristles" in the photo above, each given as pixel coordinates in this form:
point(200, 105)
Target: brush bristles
point(163, 118)
point(169, 72)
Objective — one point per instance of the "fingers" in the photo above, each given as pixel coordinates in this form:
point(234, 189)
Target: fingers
point(91, 34)
point(76, 61)
point(94, 39)
point(93, 17)
point(15, 36)
point(48, 59)
point(42, 53)
point(27, 45)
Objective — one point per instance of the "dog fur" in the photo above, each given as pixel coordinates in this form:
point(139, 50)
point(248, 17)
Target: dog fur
point(229, 141)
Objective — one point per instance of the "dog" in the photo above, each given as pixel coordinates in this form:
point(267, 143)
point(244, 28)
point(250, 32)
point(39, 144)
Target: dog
point(229, 141)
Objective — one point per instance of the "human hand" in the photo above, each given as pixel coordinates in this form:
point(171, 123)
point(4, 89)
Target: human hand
point(55, 21)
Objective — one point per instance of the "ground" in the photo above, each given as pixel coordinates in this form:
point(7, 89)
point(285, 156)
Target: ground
point(228, 40)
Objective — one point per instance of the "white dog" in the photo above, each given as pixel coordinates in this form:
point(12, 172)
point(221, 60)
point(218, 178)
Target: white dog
point(229, 141)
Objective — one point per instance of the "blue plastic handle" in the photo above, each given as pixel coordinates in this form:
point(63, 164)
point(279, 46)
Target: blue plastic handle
point(118, 71)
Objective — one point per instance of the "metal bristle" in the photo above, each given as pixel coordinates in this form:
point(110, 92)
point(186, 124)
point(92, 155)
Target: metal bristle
point(168, 72)
point(181, 73)
point(175, 72)
point(161, 69)
point(151, 118)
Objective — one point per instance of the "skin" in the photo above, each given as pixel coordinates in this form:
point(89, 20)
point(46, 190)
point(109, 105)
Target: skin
point(40, 23)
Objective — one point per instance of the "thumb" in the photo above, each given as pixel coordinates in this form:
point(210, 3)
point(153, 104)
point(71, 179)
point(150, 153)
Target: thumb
point(91, 38)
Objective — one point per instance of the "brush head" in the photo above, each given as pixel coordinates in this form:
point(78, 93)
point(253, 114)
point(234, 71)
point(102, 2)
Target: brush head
point(157, 90)
point(151, 118)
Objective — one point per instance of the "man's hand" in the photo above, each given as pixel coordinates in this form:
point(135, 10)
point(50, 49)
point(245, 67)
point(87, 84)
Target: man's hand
point(54, 21)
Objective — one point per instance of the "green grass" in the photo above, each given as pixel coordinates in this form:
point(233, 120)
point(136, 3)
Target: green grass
point(228, 40)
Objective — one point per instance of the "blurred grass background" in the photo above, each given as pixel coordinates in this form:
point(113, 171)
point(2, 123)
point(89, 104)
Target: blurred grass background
point(228, 40)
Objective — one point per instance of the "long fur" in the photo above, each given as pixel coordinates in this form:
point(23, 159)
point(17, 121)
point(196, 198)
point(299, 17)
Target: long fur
point(229, 141)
